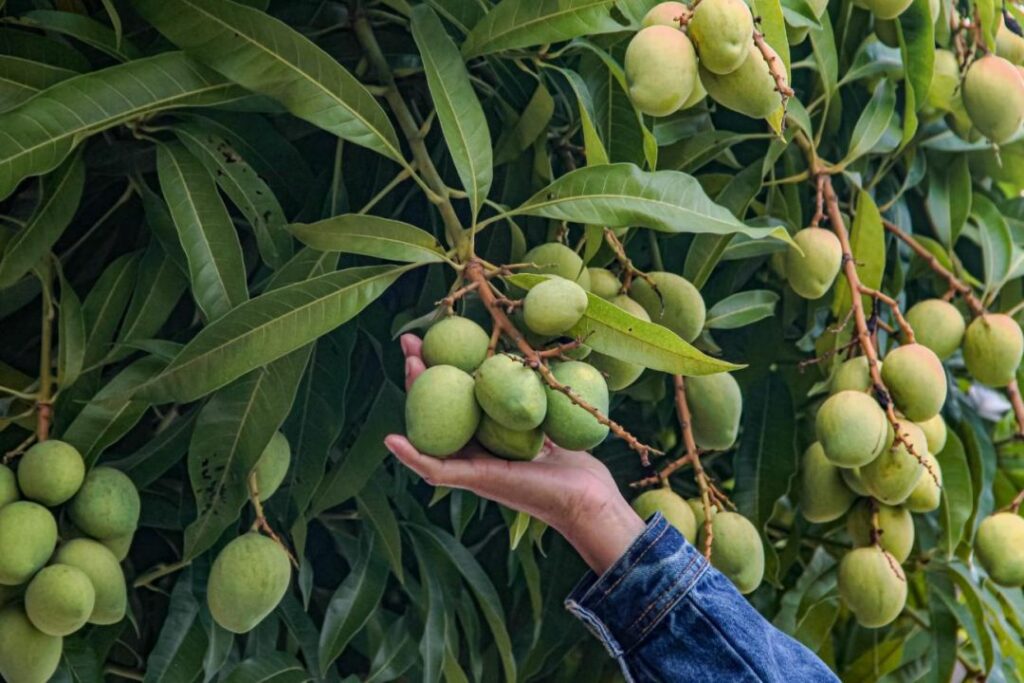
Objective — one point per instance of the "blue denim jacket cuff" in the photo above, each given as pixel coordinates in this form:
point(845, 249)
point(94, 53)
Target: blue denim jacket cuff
point(624, 604)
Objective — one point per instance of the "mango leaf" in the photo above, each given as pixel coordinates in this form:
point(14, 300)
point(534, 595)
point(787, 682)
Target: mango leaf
point(269, 667)
point(742, 308)
point(70, 335)
point(608, 329)
point(21, 79)
point(383, 238)
point(45, 129)
point(158, 289)
point(82, 28)
point(458, 109)
point(773, 25)
point(996, 240)
point(622, 195)
point(182, 641)
point(266, 328)
point(59, 195)
point(874, 121)
point(374, 506)
point(949, 195)
point(957, 494)
point(867, 242)
point(208, 238)
point(917, 48)
point(105, 305)
point(269, 57)
point(522, 23)
point(593, 147)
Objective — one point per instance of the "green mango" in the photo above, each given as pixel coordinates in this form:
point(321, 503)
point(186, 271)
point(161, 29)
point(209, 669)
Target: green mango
point(716, 405)
point(749, 90)
point(916, 380)
point(852, 428)
point(27, 655)
point(103, 570)
point(661, 69)
point(824, 496)
point(736, 550)
point(272, 467)
point(997, 546)
point(107, 505)
point(566, 423)
point(892, 476)
point(812, 272)
point(8, 486)
point(937, 325)
point(511, 393)
point(895, 523)
point(249, 578)
point(603, 282)
point(935, 432)
point(665, 14)
point(993, 95)
point(676, 304)
point(672, 506)
point(552, 258)
point(927, 494)
point(455, 341)
point(1009, 45)
point(993, 347)
point(853, 478)
point(852, 375)
point(28, 535)
point(511, 444)
point(873, 585)
point(59, 599)
point(441, 412)
point(554, 306)
point(721, 31)
point(51, 472)
point(942, 92)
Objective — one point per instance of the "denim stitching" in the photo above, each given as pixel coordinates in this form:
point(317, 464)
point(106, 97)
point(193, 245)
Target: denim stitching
point(598, 628)
point(633, 563)
point(672, 594)
point(722, 635)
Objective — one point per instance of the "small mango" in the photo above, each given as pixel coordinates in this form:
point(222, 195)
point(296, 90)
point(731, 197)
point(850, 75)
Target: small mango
point(722, 32)
point(661, 69)
point(873, 585)
point(27, 655)
point(603, 282)
point(936, 432)
point(28, 535)
point(736, 550)
point(942, 92)
point(554, 306)
point(993, 95)
point(249, 578)
point(852, 375)
point(553, 258)
point(852, 429)
point(824, 496)
point(665, 14)
point(676, 304)
point(998, 546)
point(107, 505)
point(749, 90)
point(272, 467)
point(812, 272)
point(895, 524)
point(51, 472)
point(441, 412)
point(927, 494)
point(105, 574)
point(566, 423)
point(916, 380)
point(892, 476)
point(511, 393)
point(8, 486)
point(455, 341)
point(716, 405)
point(672, 506)
point(937, 325)
point(511, 444)
point(993, 347)
point(59, 600)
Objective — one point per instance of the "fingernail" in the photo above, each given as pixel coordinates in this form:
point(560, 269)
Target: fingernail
point(388, 443)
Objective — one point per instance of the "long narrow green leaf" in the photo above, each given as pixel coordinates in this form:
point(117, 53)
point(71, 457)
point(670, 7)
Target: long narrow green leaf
point(267, 56)
point(105, 305)
point(71, 334)
point(370, 236)
point(522, 23)
point(21, 79)
point(207, 236)
point(38, 135)
point(83, 28)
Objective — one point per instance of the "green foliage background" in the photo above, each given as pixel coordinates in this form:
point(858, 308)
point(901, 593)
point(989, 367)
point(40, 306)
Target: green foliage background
point(219, 204)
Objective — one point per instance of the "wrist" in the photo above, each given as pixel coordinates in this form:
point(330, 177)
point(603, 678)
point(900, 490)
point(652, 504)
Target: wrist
point(603, 534)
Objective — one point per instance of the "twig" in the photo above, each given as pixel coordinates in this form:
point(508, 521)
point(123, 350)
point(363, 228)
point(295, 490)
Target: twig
point(449, 301)
point(261, 522)
point(159, 572)
point(775, 67)
point(1017, 502)
point(19, 449)
point(878, 295)
point(44, 407)
point(629, 271)
point(685, 424)
point(828, 354)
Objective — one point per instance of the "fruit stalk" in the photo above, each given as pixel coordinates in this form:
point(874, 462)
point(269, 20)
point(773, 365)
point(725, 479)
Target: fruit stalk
point(877, 295)
point(261, 522)
point(693, 455)
point(1017, 502)
point(44, 407)
point(775, 66)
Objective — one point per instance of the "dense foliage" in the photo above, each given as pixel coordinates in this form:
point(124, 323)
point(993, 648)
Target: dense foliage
point(216, 216)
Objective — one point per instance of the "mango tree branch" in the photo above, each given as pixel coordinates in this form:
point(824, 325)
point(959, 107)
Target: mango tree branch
point(261, 522)
point(44, 406)
point(775, 66)
point(693, 454)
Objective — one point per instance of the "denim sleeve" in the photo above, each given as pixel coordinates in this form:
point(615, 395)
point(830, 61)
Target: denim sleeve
point(666, 615)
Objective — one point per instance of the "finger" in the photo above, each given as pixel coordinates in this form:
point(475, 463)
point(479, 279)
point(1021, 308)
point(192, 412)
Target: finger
point(455, 472)
point(411, 345)
point(414, 367)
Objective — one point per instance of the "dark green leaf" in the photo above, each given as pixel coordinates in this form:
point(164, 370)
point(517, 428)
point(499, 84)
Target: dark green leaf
point(742, 308)
point(522, 23)
point(370, 236)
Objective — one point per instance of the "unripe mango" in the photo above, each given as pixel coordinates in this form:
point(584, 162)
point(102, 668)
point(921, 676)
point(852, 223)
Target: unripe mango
point(998, 546)
point(676, 304)
point(852, 375)
point(749, 90)
point(8, 486)
point(247, 581)
point(51, 472)
point(272, 467)
point(958, 120)
point(916, 380)
point(27, 655)
point(895, 524)
point(885, 29)
point(892, 476)
point(59, 600)
point(107, 505)
point(812, 273)
point(455, 341)
point(554, 306)
point(993, 346)
point(1009, 45)
point(935, 432)
point(665, 14)
point(512, 444)
point(620, 373)
point(28, 535)
point(661, 69)
point(722, 32)
point(736, 550)
point(510, 393)
point(603, 282)
point(567, 424)
point(716, 405)
point(993, 93)
point(553, 258)
point(441, 412)
point(937, 325)
point(886, 9)
point(824, 496)
point(697, 507)
point(104, 572)
point(873, 585)
point(853, 478)
point(927, 495)
point(698, 94)
point(672, 506)
point(852, 428)
point(942, 91)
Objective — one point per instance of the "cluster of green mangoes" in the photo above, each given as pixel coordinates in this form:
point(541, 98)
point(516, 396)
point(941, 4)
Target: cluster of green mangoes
point(669, 68)
point(56, 578)
point(250, 575)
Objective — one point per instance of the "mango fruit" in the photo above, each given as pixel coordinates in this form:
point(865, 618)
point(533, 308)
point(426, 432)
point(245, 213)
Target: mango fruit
point(661, 69)
point(455, 341)
point(812, 273)
point(510, 393)
point(886, 9)
point(927, 494)
point(676, 304)
point(993, 347)
point(916, 380)
point(886, 31)
point(51, 472)
point(873, 585)
point(105, 574)
point(28, 535)
point(512, 444)
point(851, 428)
point(672, 506)
point(567, 424)
point(554, 306)
point(1009, 45)
point(736, 550)
point(696, 97)
point(249, 578)
point(895, 523)
point(441, 412)
point(272, 467)
point(603, 282)
point(8, 486)
point(997, 546)
point(937, 325)
point(107, 505)
point(697, 507)
point(993, 94)
point(59, 599)
point(665, 14)
point(27, 655)
point(824, 496)
point(553, 258)
point(942, 91)
point(722, 31)
point(716, 405)
point(852, 375)
point(936, 432)
point(619, 374)
point(892, 476)
point(853, 478)
point(749, 90)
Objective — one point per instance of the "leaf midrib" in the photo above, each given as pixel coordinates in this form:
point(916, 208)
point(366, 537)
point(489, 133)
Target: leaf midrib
point(604, 196)
point(514, 27)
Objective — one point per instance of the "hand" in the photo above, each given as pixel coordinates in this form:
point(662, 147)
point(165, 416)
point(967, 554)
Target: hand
point(571, 491)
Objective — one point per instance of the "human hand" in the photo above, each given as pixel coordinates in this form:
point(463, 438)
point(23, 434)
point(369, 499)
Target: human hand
point(571, 491)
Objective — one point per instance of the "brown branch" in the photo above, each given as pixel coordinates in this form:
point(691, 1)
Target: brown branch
point(449, 301)
point(1014, 506)
point(685, 424)
point(474, 271)
point(828, 354)
point(261, 522)
point(629, 271)
point(775, 67)
point(878, 295)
